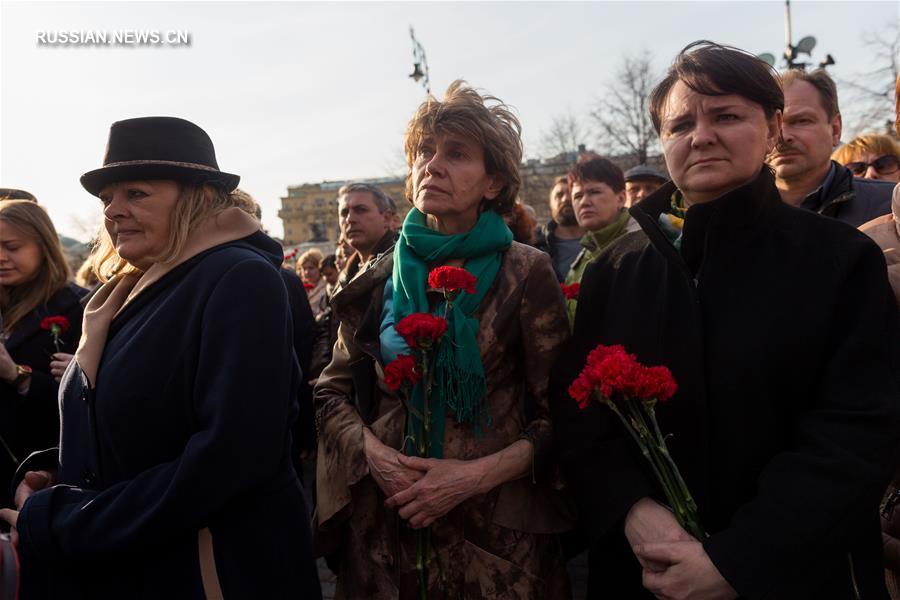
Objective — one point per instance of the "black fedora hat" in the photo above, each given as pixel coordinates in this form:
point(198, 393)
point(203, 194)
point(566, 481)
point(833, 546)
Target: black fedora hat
point(158, 148)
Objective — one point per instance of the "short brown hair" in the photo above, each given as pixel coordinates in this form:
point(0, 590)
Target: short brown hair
point(820, 80)
point(593, 167)
point(715, 70)
point(484, 119)
point(877, 144)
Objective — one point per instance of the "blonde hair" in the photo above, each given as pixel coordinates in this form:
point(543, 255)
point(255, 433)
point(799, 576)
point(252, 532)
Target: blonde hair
point(313, 255)
point(246, 203)
point(85, 276)
point(873, 143)
point(34, 222)
point(196, 203)
point(484, 119)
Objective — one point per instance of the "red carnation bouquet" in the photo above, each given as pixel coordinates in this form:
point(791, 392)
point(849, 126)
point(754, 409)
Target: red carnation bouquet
point(56, 325)
point(631, 390)
point(423, 333)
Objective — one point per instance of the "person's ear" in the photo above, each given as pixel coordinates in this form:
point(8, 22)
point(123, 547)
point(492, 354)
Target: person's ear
point(494, 186)
point(837, 125)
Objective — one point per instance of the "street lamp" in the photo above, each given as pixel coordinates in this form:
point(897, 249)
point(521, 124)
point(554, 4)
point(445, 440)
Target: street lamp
point(792, 52)
point(420, 64)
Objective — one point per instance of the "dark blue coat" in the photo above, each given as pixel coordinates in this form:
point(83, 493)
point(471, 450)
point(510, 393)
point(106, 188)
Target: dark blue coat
point(31, 422)
point(188, 428)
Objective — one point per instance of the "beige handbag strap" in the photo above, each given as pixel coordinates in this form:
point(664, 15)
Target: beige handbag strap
point(208, 573)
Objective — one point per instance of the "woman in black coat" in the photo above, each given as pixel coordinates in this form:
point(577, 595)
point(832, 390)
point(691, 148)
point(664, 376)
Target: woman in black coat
point(34, 285)
point(779, 326)
point(174, 475)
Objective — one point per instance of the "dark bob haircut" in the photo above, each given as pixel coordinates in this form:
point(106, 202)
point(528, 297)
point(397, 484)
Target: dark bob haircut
point(715, 70)
point(592, 167)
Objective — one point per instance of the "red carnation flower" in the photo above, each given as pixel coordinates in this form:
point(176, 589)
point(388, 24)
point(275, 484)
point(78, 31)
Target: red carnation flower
point(57, 325)
point(452, 279)
point(570, 291)
point(308, 286)
point(612, 370)
point(421, 330)
point(402, 370)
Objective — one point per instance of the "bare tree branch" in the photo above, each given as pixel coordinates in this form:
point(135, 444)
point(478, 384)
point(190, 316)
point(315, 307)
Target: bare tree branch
point(622, 116)
point(870, 104)
point(565, 133)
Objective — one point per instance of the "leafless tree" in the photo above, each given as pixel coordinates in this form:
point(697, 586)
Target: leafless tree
point(565, 133)
point(85, 225)
point(869, 105)
point(622, 115)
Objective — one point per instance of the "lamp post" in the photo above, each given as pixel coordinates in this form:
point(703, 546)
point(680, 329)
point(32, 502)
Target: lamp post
point(420, 63)
point(792, 52)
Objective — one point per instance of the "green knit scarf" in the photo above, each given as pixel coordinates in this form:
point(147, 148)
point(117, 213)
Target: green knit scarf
point(459, 383)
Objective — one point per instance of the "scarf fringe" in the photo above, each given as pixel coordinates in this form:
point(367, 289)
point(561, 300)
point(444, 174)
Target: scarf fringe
point(464, 391)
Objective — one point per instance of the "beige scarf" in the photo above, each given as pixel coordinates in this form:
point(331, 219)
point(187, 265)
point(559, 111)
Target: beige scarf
point(113, 296)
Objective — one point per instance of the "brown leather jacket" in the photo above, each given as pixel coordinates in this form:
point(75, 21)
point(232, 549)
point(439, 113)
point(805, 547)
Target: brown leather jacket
point(523, 326)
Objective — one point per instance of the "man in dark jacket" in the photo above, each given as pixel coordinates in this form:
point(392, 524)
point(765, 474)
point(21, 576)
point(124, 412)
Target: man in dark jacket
point(784, 338)
point(561, 237)
point(805, 174)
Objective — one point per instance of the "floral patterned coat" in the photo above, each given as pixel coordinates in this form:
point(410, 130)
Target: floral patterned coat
point(502, 544)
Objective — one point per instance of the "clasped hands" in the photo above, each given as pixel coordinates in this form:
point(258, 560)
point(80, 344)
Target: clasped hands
point(675, 565)
point(422, 489)
point(34, 481)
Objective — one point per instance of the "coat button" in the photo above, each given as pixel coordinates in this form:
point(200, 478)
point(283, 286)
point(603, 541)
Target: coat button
point(90, 478)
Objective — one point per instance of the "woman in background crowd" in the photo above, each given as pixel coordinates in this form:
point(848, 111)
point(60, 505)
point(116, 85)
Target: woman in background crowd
point(34, 287)
point(308, 270)
point(174, 470)
point(871, 156)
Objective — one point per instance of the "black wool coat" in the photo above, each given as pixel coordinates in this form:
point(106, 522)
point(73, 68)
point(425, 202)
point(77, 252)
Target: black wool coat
point(187, 429)
point(30, 422)
point(780, 327)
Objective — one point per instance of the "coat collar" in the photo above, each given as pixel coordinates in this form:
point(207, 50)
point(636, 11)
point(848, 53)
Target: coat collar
point(60, 303)
point(351, 300)
point(738, 209)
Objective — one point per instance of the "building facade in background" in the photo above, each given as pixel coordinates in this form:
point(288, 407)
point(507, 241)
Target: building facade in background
point(309, 211)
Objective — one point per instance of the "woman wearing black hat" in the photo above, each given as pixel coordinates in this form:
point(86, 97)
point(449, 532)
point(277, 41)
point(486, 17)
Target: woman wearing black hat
point(174, 476)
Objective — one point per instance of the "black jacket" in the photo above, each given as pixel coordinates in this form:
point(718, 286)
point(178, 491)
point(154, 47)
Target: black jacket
point(781, 330)
point(188, 427)
point(850, 199)
point(31, 422)
point(304, 431)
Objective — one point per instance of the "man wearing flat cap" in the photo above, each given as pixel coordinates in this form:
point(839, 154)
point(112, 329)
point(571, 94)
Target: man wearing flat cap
point(641, 181)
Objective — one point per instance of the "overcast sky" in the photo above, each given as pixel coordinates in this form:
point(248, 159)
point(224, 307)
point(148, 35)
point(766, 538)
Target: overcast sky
point(303, 92)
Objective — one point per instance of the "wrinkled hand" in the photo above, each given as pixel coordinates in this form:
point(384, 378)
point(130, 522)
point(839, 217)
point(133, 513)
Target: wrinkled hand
point(445, 483)
point(389, 473)
point(59, 363)
point(8, 370)
point(691, 575)
point(650, 522)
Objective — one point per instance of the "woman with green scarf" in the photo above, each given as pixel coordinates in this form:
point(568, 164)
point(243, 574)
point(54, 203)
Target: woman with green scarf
point(486, 491)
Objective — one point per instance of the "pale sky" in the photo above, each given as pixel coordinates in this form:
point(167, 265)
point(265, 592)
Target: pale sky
point(296, 92)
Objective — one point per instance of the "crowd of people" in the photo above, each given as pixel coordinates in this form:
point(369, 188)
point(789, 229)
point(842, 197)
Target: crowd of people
point(158, 418)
